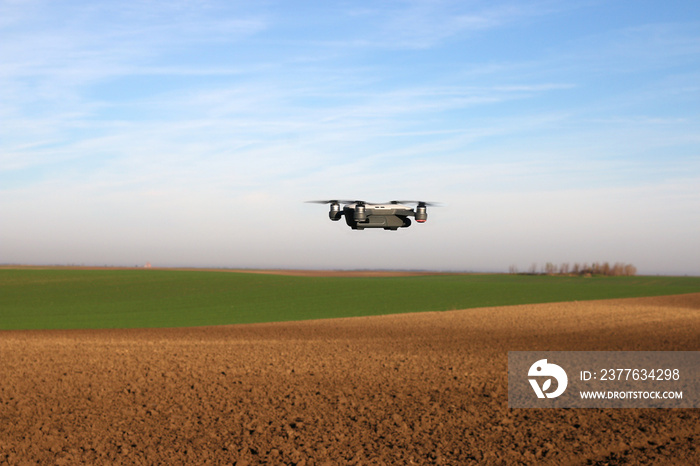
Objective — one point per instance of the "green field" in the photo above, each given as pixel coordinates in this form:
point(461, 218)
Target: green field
point(66, 298)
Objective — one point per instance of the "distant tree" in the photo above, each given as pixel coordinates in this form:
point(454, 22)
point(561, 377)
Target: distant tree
point(618, 269)
point(594, 268)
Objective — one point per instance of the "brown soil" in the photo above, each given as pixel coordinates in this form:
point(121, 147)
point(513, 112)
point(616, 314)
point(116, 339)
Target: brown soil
point(290, 272)
point(410, 389)
point(342, 273)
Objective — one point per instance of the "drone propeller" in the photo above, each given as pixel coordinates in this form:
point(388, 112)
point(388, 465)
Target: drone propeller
point(355, 201)
point(420, 203)
point(338, 201)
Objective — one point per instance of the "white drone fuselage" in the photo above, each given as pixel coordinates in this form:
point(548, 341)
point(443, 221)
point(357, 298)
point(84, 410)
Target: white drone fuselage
point(360, 215)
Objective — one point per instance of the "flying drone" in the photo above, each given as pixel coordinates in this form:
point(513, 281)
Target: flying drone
point(360, 215)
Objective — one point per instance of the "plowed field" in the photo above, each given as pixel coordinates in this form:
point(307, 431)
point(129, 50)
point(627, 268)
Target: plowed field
point(425, 388)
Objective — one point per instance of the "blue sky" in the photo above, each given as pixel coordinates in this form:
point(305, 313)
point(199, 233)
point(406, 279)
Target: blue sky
point(189, 133)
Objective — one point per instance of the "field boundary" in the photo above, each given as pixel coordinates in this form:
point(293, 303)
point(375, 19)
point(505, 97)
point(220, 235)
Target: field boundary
point(286, 272)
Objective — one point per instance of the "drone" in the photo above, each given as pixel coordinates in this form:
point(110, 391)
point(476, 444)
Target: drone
point(393, 215)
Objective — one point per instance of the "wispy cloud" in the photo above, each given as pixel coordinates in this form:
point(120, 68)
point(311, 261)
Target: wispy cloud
point(425, 24)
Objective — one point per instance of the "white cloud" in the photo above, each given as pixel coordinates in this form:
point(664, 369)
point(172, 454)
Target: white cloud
point(425, 24)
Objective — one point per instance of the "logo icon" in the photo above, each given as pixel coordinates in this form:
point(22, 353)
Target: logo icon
point(543, 369)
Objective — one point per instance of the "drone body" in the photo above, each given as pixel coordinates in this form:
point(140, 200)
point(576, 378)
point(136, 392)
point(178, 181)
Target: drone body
point(360, 215)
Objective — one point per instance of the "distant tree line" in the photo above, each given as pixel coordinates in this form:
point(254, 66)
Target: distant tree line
point(618, 269)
